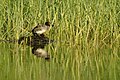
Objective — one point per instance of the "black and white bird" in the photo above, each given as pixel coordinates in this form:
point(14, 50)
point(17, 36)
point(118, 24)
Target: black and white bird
point(38, 41)
point(41, 28)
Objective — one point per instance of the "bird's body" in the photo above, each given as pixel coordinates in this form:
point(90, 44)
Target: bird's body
point(35, 40)
point(40, 29)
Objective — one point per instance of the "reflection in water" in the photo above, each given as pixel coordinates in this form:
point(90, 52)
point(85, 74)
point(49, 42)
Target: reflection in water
point(39, 52)
point(38, 43)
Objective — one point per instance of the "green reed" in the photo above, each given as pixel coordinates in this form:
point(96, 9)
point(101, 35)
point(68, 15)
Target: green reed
point(86, 34)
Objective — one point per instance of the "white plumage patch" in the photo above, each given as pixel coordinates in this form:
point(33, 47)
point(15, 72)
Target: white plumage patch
point(41, 52)
point(40, 31)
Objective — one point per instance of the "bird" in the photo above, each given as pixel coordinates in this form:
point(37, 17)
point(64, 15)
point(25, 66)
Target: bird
point(40, 29)
point(38, 40)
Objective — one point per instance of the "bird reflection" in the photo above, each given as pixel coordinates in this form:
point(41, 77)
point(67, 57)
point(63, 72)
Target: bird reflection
point(40, 52)
point(37, 43)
